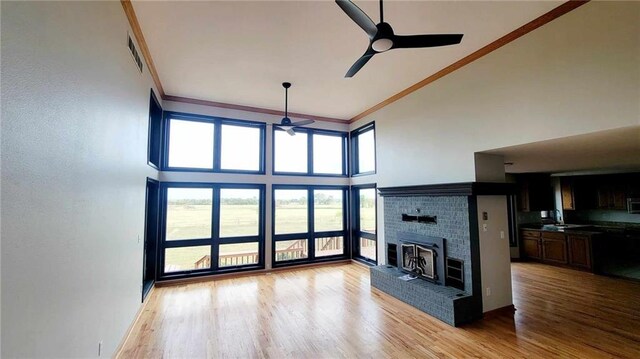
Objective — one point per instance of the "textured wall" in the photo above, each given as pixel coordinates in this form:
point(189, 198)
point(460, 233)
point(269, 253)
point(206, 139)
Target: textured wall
point(453, 224)
point(576, 75)
point(74, 134)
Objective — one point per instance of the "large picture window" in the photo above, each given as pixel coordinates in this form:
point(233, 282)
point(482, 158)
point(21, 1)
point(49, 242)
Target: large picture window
point(212, 144)
point(310, 152)
point(210, 228)
point(364, 223)
point(309, 223)
point(363, 150)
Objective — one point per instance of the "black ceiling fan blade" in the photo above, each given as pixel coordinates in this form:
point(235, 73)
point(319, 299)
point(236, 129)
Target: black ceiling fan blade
point(359, 17)
point(360, 63)
point(302, 123)
point(432, 40)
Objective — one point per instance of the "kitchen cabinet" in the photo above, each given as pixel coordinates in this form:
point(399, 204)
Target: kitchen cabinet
point(531, 244)
point(535, 193)
point(579, 251)
point(612, 197)
point(568, 195)
point(558, 248)
point(554, 247)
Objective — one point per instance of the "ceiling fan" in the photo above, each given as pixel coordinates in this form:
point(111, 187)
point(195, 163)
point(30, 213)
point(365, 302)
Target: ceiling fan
point(286, 123)
point(382, 38)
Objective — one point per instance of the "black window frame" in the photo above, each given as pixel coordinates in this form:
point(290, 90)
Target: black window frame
point(310, 235)
point(215, 240)
point(217, 144)
point(154, 134)
point(354, 149)
point(356, 232)
point(310, 132)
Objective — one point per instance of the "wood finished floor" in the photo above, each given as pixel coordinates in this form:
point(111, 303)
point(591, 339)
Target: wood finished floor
point(332, 312)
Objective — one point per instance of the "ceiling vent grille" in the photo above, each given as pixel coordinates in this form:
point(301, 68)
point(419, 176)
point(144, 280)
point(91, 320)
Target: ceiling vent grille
point(134, 52)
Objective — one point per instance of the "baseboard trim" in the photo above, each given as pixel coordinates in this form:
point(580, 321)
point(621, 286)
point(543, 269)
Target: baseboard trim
point(508, 310)
point(133, 323)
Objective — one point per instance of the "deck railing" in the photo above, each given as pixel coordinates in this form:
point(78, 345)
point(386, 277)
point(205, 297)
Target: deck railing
point(297, 250)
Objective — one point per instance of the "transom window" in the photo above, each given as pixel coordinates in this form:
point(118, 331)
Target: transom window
point(204, 143)
point(310, 152)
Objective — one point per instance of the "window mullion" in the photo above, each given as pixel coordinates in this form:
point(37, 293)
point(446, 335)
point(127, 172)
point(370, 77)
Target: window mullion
point(217, 145)
point(309, 152)
point(311, 220)
point(215, 228)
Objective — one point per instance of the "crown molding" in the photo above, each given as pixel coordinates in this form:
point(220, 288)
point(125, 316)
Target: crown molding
point(250, 109)
point(137, 33)
point(513, 35)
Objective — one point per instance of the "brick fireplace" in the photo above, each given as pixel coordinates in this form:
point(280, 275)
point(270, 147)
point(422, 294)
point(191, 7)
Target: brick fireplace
point(442, 220)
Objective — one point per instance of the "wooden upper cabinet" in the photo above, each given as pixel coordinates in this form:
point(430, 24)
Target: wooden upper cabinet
point(568, 196)
point(611, 197)
point(535, 193)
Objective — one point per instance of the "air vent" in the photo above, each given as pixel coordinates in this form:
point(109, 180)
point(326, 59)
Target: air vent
point(134, 52)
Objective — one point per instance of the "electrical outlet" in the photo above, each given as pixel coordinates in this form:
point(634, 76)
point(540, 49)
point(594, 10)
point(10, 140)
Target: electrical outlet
point(484, 227)
point(100, 348)
point(138, 238)
point(488, 291)
point(502, 234)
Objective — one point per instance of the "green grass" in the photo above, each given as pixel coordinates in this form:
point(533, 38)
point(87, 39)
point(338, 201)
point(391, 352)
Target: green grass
point(189, 221)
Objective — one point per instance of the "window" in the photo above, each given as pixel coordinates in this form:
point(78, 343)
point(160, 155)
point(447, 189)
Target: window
point(364, 223)
point(291, 211)
point(240, 147)
point(327, 154)
point(290, 152)
point(209, 228)
point(309, 152)
point(363, 150)
point(190, 144)
point(328, 210)
point(211, 144)
point(309, 223)
point(154, 144)
point(189, 213)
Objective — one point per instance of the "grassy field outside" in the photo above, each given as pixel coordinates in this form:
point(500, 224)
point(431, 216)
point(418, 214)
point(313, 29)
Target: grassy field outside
point(191, 221)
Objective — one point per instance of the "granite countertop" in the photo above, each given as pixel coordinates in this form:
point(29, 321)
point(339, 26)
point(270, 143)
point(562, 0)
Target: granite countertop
point(585, 229)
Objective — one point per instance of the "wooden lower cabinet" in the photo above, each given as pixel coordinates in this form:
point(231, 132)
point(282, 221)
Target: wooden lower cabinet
point(579, 251)
point(531, 247)
point(554, 250)
point(557, 248)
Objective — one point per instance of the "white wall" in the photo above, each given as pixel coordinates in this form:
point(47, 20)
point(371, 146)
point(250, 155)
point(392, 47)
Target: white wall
point(74, 135)
point(495, 262)
point(578, 74)
point(489, 168)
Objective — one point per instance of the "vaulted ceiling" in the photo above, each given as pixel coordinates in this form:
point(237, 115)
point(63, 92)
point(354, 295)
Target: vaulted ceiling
point(239, 52)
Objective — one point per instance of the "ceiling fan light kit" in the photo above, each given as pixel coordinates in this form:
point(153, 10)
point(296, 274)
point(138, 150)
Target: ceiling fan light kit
point(382, 37)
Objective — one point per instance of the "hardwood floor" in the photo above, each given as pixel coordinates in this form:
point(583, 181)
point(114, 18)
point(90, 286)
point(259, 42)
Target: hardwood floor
point(332, 312)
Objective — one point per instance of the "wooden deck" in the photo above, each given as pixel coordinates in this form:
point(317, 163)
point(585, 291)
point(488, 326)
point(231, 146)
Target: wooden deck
point(332, 312)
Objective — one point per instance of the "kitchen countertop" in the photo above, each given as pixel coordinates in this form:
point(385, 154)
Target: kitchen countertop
point(584, 229)
point(581, 229)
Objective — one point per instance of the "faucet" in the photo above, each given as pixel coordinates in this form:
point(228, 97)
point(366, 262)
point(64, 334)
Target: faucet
point(558, 216)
